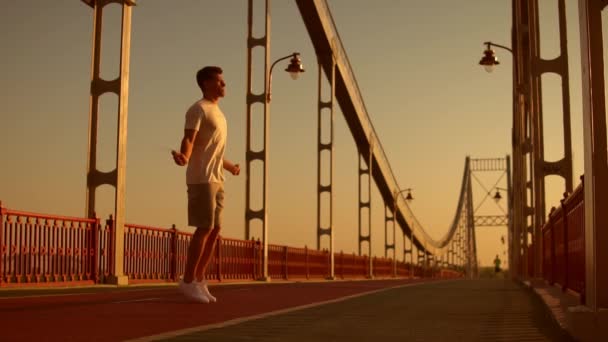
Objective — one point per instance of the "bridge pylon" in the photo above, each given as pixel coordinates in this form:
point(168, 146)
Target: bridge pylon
point(327, 127)
point(529, 165)
point(120, 87)
point(502, 166)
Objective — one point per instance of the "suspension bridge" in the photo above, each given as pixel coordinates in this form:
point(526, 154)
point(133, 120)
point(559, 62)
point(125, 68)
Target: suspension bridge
point(115, 280)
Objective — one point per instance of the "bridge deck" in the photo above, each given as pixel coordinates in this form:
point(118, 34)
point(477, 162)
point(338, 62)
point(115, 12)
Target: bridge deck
point(480, 310)
point(458, 310)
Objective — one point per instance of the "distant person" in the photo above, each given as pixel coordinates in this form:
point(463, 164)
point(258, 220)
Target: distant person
point(202, 149)
point(496, 264)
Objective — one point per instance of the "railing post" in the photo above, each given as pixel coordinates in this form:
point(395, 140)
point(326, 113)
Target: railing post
point(258, 259)
point(359, 268)
point(328, 274)
point(285, 261)
point(342, 264)
point(93, 251)
point(173, 256)
point(373, 266)
point(306, 262)
point(218, 251)
point(110, 242)
point(2, 248)
point(254, 259)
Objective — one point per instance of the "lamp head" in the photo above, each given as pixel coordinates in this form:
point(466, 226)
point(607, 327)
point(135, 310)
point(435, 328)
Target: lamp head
point(497, 196)
point(489, 60)
point(295, 66)
point(409, 198)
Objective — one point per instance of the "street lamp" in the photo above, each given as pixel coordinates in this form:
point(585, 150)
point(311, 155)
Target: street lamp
point(408, 198)
point(294, 69)
point(489, 60)
point(497, 197)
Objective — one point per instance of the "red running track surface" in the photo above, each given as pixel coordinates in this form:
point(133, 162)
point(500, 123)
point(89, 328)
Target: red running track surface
point(139, 312)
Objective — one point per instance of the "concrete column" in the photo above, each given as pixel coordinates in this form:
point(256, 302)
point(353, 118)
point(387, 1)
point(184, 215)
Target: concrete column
point(251, 156)
point(328, 147)
point(120, 87)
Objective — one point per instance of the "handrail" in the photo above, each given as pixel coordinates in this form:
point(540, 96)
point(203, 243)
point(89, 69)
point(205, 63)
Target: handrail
point(10, 212)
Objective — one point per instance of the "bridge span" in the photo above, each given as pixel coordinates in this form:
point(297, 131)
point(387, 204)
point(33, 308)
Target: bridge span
point(557, 258)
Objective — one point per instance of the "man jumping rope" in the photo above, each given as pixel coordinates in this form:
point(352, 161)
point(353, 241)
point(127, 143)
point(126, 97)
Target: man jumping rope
point(202, 149)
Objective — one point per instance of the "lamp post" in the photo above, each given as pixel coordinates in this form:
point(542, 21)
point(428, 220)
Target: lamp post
point(408, 198)
point(295, 68)
point(517, 219)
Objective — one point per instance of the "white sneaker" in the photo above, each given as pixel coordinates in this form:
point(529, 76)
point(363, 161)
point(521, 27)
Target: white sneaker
point(202, 285)
point(192, 291)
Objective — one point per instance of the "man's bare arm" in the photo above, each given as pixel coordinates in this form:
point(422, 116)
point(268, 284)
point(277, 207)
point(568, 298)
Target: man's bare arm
point(181, 158)
point(232, 168)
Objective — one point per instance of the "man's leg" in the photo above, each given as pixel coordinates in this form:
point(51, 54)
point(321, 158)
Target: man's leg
point(207, 253)
point(195, 252)
point(201, 210)
point(218, 196)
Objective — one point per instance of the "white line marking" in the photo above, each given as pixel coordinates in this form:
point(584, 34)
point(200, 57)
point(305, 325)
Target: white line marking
point(135, 300)
point(235, 321)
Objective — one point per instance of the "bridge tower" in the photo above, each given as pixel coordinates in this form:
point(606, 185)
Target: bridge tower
point(325, 130)
point(260, 156)
point(493, 165)
point(120, 87)
point(365, 180)
point(529, 165)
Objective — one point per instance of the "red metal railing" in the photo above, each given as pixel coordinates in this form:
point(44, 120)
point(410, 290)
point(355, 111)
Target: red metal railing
point(348, 266)
point(150, 253)
point(47, 250)
point(575, 235)
point(235, 260)
point(104, 253)
point(383, 267)
point(564, 244)
point(449, 274)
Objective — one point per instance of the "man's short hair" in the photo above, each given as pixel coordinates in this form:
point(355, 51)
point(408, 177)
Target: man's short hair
point(207, 73)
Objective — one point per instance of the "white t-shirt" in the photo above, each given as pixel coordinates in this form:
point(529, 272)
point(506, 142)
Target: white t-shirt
point(207, 158)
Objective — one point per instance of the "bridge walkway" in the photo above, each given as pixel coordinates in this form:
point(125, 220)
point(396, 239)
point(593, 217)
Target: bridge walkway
point(459, 310)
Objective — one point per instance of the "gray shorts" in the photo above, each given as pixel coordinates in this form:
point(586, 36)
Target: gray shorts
point(205, 204)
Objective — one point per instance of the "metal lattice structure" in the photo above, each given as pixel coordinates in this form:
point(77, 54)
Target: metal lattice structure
point(491, 221)
point(502, 165)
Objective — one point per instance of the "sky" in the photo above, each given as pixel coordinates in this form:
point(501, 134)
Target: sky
point(415, 61)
